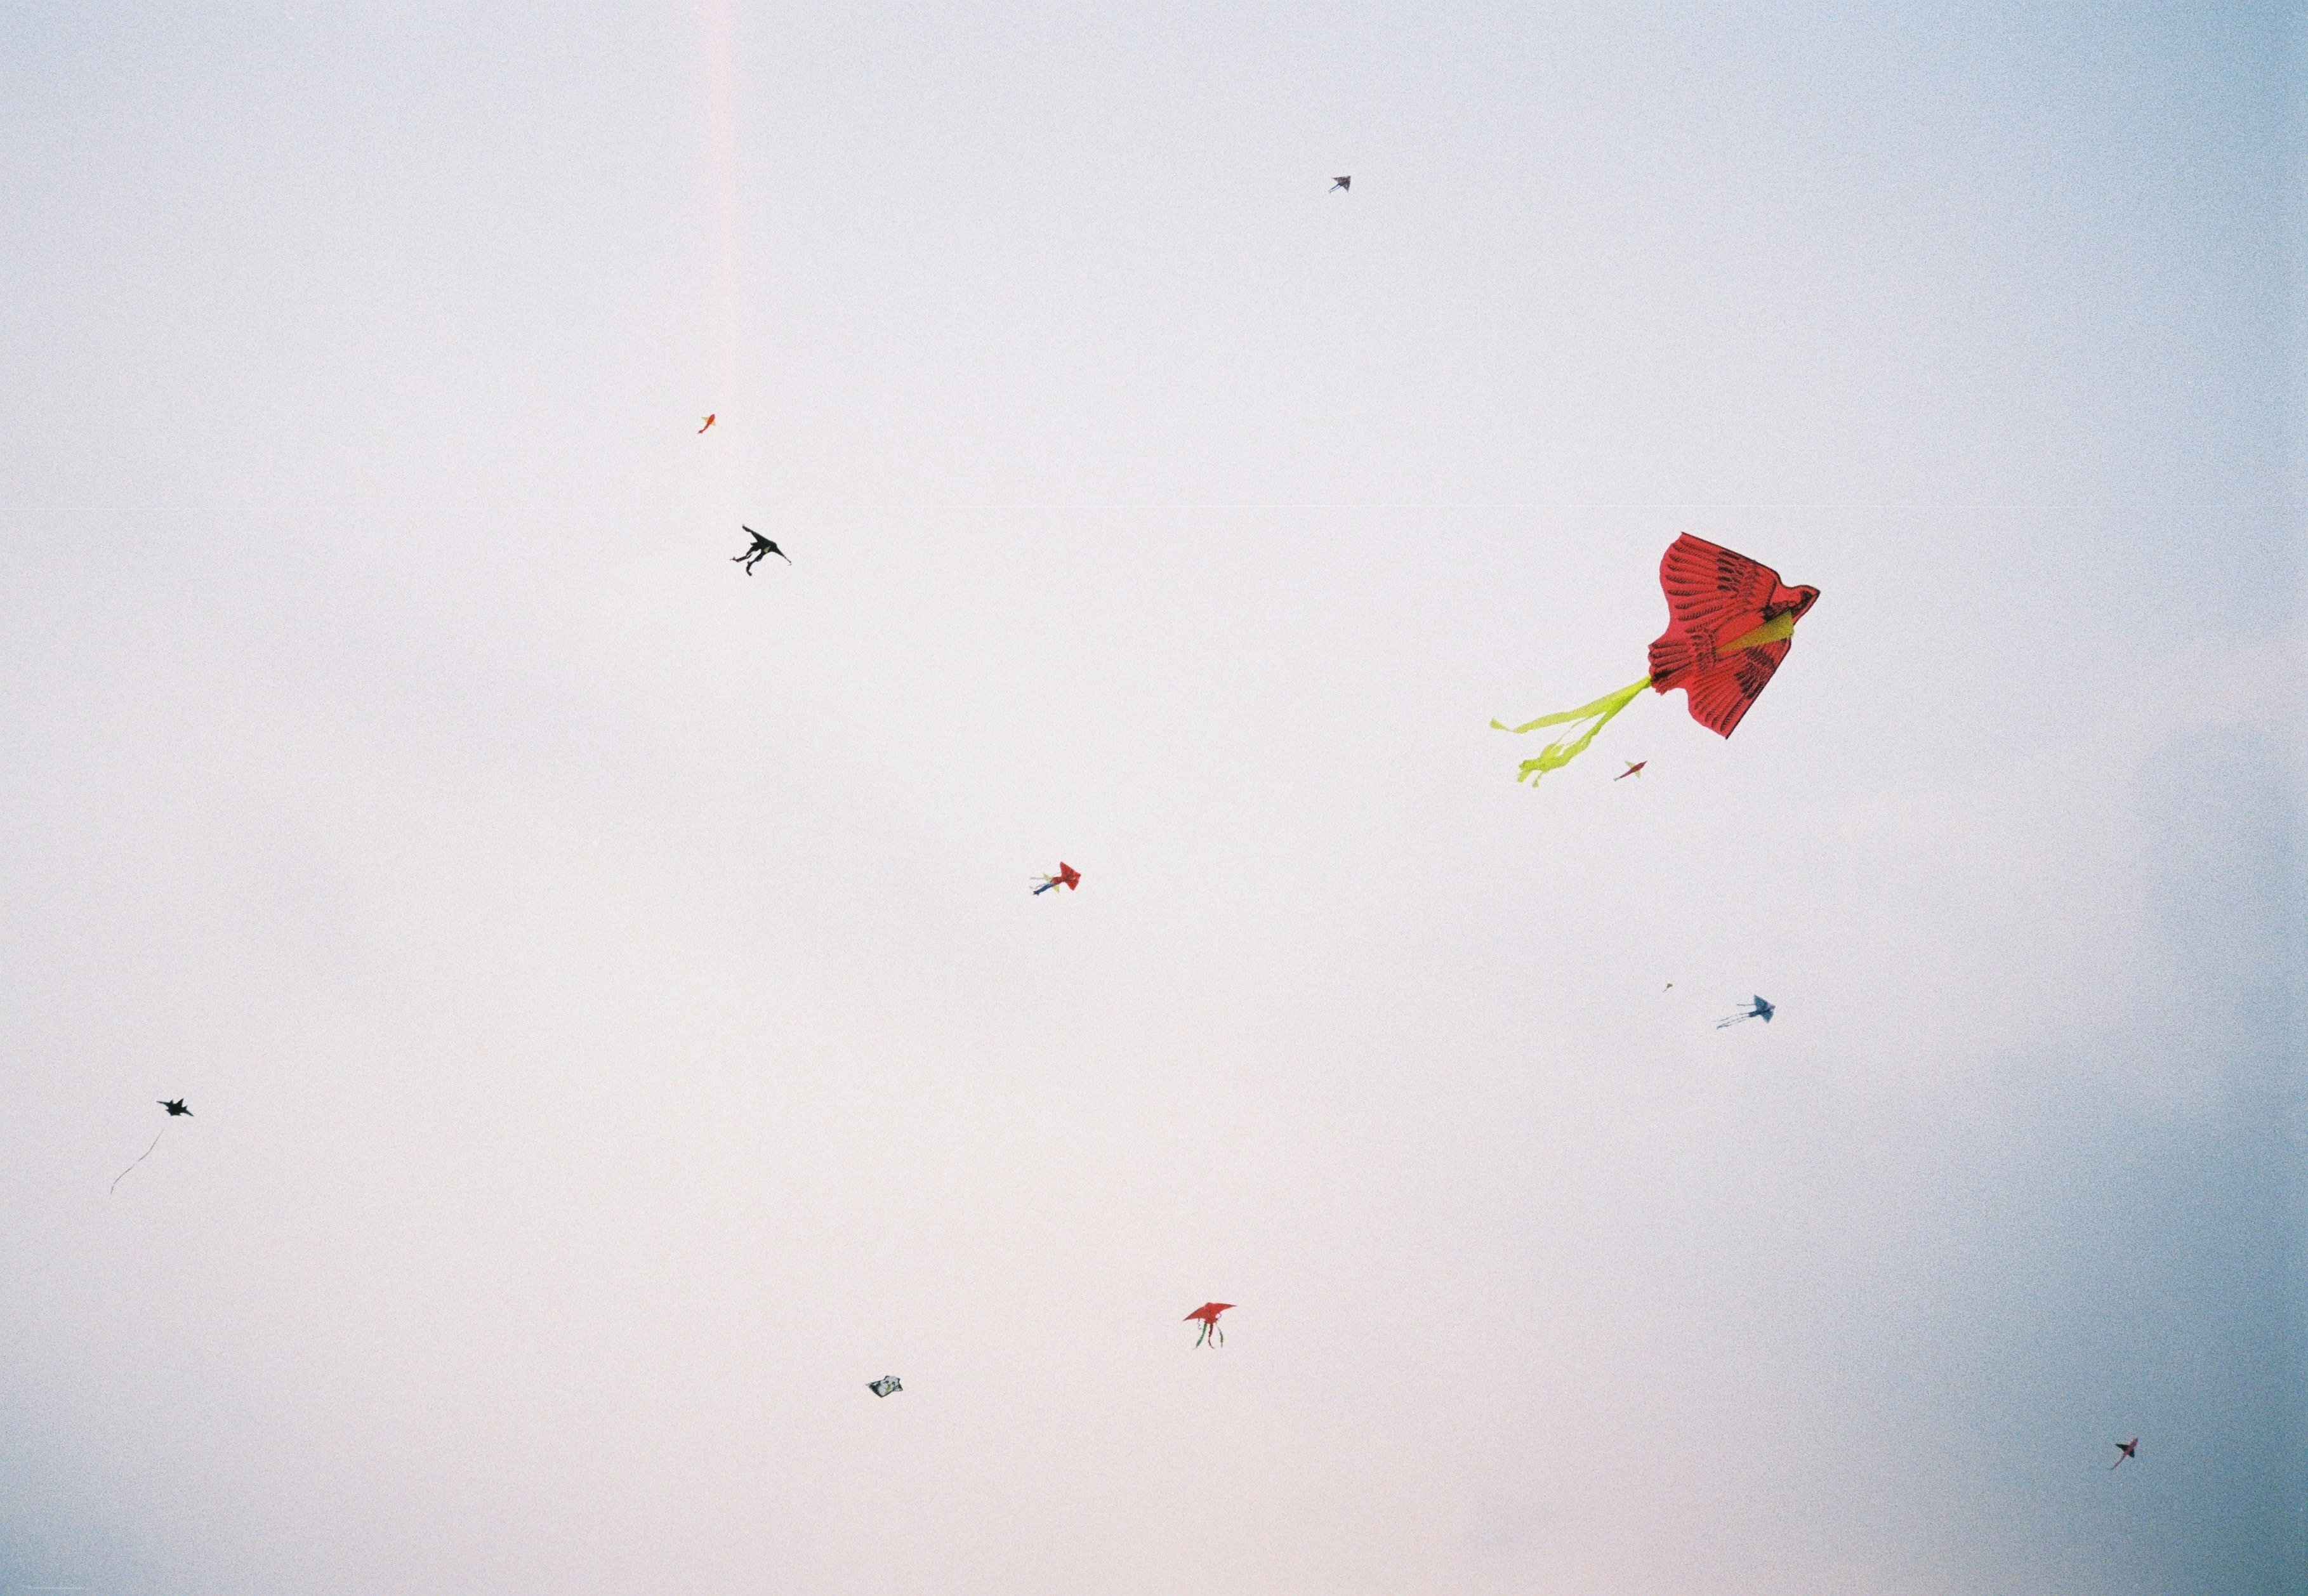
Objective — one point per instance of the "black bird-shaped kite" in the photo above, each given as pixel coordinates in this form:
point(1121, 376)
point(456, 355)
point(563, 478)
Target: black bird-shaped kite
point(1346, 183)
point(175, 1105)
point(2130, 1449)
point(761, 545)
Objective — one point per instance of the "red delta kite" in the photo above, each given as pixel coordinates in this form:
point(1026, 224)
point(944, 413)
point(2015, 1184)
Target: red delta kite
point(1067, 878)
point(1730, 621)
point(1208, 1314)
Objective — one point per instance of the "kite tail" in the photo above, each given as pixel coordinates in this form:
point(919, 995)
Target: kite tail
point(1564, 749)
point(140, 1157)
point(1047, 884)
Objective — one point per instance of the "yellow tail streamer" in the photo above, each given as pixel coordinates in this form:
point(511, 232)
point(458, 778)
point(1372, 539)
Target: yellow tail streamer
point(1563, 750)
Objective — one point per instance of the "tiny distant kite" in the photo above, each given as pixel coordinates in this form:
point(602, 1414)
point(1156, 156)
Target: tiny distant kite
point(1761, 1010)
point(1067, 878)
point(709, 421)
point(1346, 183)
point(1730, 623)
point(2130, 1449)
point(1208, 1314)
point(887, 1386)
point(761, 545)
point(1634, 768)
point(175, 1105)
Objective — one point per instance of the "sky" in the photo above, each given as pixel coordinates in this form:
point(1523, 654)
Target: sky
point(607, 986)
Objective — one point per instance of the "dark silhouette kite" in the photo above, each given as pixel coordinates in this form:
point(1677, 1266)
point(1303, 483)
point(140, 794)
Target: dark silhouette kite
point(1208, 1314)
point(1067, 878)
point(761, 545)
point(887, 1386)
point(709, 421)
point(1346, 183)
point(2130, 1449)
point(1730, 623)
point(1634, 768)
point(175, 1105)
point(1761, 1010)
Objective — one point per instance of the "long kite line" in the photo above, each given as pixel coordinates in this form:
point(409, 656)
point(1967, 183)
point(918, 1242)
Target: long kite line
point(140, 1157)
point(1925, 508)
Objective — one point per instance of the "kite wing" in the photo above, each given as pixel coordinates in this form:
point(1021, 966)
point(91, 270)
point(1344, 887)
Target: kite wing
point(1716, 599)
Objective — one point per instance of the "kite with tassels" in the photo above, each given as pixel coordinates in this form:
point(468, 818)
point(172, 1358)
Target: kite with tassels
point(1730, 623)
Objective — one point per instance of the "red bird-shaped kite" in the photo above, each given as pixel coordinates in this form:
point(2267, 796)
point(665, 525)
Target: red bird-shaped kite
point(1730, 623)
point(709, 421)
point(1208, 1314)
point(1067, 878)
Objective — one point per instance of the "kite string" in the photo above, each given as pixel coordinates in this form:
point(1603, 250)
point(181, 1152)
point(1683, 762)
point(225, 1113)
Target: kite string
point(1562, 750)
point(140, 1157)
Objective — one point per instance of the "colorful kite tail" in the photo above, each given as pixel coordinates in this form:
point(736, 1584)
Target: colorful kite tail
point(1047, 883)
point(1564, 749)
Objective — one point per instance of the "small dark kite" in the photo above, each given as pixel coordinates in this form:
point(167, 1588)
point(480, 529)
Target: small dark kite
point(761, 545)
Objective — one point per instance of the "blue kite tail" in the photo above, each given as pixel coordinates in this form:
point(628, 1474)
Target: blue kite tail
point(1044, 887)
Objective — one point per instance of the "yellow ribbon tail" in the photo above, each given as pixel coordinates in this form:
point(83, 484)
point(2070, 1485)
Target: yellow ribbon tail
point(1564, 749)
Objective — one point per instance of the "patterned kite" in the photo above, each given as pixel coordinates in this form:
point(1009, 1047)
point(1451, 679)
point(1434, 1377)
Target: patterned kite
point(1762, 1010)
point(1067, 878)
point(887, 1386)
point(1208, 1314)
point(1729, 624)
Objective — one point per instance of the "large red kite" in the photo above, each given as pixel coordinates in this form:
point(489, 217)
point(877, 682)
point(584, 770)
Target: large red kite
point(1730, 621)
point(1067, 878)
point(1208, 1314)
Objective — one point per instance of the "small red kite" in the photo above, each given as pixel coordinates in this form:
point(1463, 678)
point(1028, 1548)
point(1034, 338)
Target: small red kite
point(1067, 878)
point(1208, 1314)
point(1634, 768)
point(709, 421)
point(1729, 624)
point(2130, 1449)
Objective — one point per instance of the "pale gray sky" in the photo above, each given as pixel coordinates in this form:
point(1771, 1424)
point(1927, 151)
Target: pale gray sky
point(606, 983)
